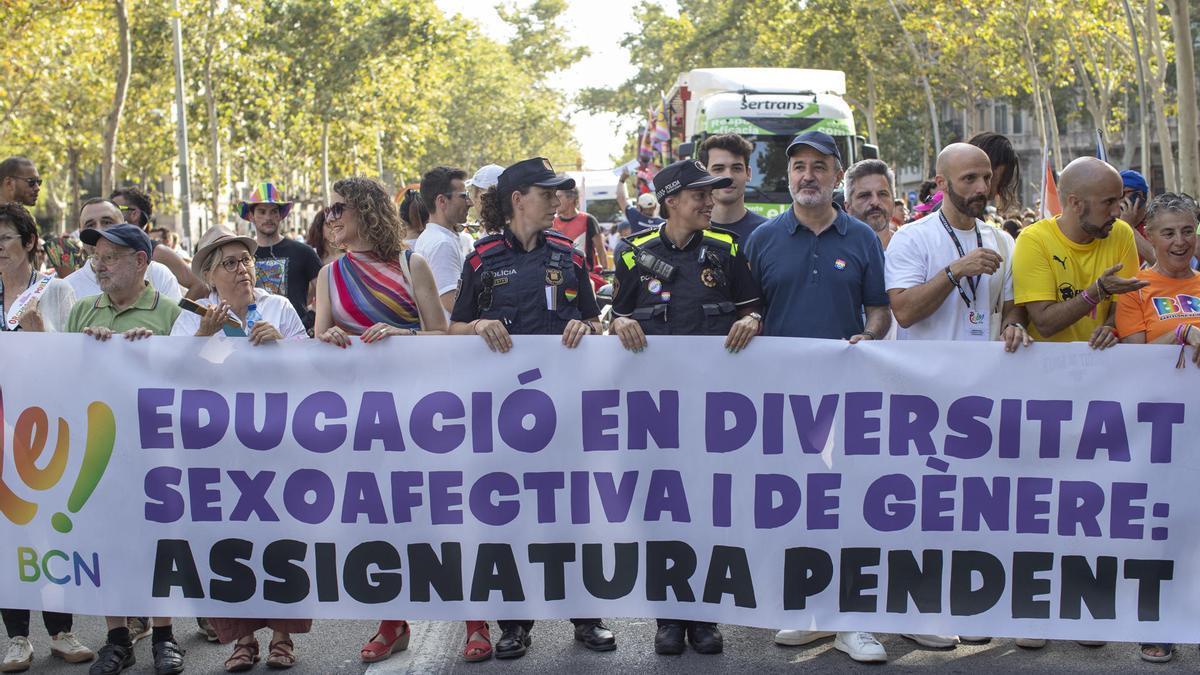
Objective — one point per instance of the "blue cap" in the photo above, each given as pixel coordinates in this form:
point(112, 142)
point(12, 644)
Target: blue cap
point(534, 171)
point(686, 174)
point(817, 140)
point(123, 234)
point(1135, 181)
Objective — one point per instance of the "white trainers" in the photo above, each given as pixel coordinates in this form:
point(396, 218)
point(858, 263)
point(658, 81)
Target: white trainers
point(860, 646)
point(1031, 643)
point(18, 657)
point(933, 641)
point(68, 648)
point(795, 638)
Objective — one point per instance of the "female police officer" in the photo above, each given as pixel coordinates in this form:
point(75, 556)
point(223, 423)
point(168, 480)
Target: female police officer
point(526, 279)
point(684, 278)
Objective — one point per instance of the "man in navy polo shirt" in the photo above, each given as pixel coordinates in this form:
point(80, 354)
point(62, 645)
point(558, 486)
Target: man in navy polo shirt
point(820, 269)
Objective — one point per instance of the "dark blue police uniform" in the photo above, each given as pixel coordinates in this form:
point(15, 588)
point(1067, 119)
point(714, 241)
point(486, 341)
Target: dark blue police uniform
point(533, 292)
point(709, 281)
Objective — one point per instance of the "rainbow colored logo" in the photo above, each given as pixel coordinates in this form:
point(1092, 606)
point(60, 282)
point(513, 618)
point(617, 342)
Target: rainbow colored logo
point(1166, 306)
point(30, 436)
point(839, 264)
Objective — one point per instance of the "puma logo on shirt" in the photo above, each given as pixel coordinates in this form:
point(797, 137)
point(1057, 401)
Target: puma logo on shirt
point(1060, 261)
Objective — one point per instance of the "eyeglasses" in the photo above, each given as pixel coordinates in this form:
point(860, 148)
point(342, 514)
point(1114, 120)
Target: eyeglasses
point(335, 211)
point(126, 208)
point(464, 194)
point(31, 182)
point(110, 259)
point(232, 264)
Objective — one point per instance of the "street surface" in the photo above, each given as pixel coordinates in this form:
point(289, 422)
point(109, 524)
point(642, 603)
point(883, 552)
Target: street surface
point(333, 647)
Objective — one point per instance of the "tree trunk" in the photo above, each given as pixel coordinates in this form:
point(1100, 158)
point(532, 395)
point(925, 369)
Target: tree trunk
point(112, 125)
point(872, 106)
point(1052, 124)
point(1153, 45)
point(73, 183)
point(1185, 84)
point(325, 160)
point(912, 48)
point(214, 136)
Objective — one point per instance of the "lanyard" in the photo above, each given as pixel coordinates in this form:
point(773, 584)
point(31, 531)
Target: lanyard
point(973, 282)
point(3, 324)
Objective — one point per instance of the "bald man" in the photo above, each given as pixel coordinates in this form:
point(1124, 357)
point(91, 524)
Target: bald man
point(102, 214)
point(1066, 269)
point(949, 275)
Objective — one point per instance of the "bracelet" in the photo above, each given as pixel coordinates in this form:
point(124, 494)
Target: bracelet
point(872, 335)
point(950, 276)
point(1018, 325)
point(1100, 287)
point(1181, 333)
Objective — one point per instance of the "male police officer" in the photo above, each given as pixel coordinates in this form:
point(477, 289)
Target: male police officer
point(681, 278)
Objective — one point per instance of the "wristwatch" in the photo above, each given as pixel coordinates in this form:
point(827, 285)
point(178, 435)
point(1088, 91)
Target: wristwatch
point(756, 316)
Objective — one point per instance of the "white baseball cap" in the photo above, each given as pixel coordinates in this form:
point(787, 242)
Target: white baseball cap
point(646, 200)
point(486, 177)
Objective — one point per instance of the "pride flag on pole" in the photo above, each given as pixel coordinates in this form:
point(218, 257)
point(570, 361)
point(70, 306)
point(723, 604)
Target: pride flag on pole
point(1049, 193)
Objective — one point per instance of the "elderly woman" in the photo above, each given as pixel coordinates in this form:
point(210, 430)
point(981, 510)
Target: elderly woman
point(225, 262)
point(1163, 312)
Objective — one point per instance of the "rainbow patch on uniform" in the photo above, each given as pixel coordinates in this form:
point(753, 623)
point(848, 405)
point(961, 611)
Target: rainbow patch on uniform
point(839, 264)
point(570, 295)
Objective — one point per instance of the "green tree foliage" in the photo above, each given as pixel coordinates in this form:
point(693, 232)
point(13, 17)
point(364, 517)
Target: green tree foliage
point(386, 87)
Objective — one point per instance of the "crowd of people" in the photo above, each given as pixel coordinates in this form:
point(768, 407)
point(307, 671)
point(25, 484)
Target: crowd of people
point(848, 265)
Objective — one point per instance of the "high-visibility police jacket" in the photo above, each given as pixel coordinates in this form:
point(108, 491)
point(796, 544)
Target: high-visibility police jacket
point(708, 282)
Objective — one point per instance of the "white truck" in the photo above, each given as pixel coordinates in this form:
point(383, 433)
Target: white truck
point(767, 106)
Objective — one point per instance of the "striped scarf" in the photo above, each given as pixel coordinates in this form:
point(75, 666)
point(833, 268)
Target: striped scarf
point(366, 289)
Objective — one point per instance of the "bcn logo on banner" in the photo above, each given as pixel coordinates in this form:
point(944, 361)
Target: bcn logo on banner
point(31, 434)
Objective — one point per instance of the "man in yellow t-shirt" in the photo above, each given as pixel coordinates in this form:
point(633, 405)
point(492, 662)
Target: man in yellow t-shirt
point(1067, 269)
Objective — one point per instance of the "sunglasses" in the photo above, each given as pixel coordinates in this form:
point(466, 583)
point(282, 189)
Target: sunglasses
point(31, 182)
point(464, 194)
point(335, 211)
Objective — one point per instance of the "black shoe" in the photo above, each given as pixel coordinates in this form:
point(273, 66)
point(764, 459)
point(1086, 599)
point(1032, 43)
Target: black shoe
point(112, 659)
point(705, 638)
point(168, 658)
point(596, 637)
point(513, 642)
point(669, 639)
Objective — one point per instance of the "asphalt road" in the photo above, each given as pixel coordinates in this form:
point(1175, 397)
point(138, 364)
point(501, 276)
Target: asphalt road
point(332, 647)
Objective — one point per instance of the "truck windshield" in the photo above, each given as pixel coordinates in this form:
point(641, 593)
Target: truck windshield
point(768, 162)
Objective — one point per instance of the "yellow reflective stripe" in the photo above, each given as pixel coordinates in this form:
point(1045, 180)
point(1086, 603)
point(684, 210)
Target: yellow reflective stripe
point(719, 236)
point(628, 258)
point(638, 241)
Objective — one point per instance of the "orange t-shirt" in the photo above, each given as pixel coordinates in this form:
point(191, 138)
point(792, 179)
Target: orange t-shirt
point(1160, 307)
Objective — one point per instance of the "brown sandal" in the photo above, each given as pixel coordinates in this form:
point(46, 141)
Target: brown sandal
point(245, 655)
point(282, 655)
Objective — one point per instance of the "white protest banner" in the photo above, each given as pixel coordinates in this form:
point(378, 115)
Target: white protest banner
point(896, 487)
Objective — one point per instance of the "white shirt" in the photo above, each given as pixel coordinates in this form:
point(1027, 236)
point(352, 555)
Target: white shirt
point(920, 251)
point(468, 244)
point(275, 309)
point(83, 280)
point(442, 250)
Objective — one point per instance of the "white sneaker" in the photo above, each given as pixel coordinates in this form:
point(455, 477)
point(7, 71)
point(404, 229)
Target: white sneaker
point(933, 641)
point(18, 657)
point(860, 646)
point(1031, 643)
point(795, 638)
point(68, 648)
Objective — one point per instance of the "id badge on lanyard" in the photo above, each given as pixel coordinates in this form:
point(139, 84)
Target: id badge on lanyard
point(975, 319)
